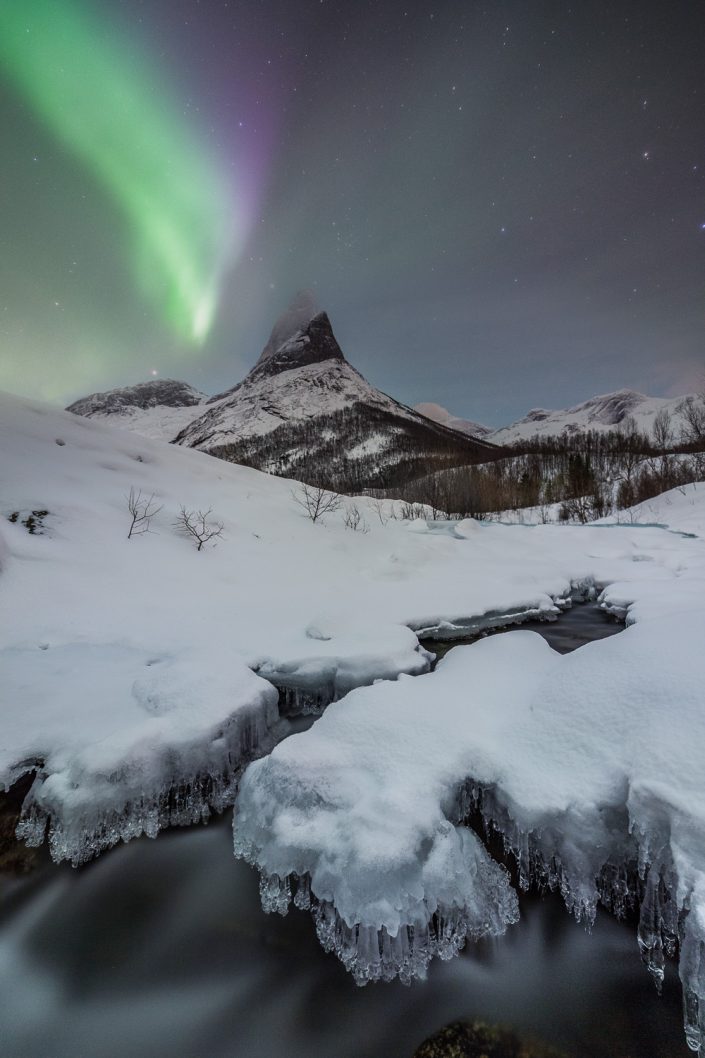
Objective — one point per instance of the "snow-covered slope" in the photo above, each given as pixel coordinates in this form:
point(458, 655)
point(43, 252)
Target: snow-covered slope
point(601, 413)
point(159, 408)
point(437, 413)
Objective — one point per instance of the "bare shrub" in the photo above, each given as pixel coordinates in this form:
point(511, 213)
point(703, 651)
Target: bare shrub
point(354, 520)
point(410, 511)
point(379, 508)
point(199, 526)
point(316, 502)
point(142, 509)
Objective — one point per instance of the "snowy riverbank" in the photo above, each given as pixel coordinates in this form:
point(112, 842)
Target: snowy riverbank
point(130, 685)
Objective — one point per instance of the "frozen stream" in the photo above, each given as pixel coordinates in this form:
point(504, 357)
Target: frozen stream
point(162, 949)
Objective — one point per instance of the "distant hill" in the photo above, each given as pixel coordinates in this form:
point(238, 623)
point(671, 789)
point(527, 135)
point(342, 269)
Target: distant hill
point(439, 414)
point(602, 413)
point(605, 412)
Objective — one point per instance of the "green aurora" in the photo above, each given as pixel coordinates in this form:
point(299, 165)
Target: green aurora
point(95, 94)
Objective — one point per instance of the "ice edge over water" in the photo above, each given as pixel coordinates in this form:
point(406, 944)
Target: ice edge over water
point(89, 811)
point(632, 851)
point(461, 893)
point(630, 868)
point(186, 787)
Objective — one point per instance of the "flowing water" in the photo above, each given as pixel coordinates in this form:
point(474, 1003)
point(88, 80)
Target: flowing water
point(160, 950)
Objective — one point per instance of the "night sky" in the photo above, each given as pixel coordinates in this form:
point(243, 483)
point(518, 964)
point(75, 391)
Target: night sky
point(501, 205)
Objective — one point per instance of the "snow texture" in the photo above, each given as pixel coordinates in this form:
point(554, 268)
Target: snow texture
point(139, 677)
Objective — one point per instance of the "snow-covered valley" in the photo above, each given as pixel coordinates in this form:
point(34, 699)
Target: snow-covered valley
point(141, 676)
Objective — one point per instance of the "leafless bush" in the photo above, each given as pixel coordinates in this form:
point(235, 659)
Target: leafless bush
point(410, 511)
point(692, 410)
point(316, 502)
point(354, 520)
point(662, 430)
point(142, 509)
point(379, 507)
point(583, 509)
point(198, 526)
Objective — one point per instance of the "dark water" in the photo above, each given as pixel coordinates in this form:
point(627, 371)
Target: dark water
point(583, 623)
point(160, 950)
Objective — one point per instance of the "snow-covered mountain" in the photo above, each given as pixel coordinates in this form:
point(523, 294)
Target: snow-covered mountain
point(437, 413)
point(158, 408)
point(302, 411)
point(601, 413)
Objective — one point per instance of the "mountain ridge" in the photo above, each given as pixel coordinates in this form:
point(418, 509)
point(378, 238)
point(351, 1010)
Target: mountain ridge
point(302, 410)
point(605, 411)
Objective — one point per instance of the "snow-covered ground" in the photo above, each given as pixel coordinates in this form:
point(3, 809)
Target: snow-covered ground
point(137, 679)
point(680, 509)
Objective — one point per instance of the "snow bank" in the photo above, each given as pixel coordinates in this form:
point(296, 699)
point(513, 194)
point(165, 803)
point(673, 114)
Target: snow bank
point(125, 742)
point(681, 509)
point(589, 764)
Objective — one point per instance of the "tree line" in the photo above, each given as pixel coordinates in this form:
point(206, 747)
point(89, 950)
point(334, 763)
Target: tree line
point(588, 474)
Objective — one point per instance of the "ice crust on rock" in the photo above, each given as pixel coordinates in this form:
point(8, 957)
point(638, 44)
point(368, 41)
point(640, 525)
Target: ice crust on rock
point(167, 751)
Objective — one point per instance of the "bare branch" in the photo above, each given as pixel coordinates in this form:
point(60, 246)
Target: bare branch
point(379, 507)
point(316, 502)
point(354, 520)
point(142, 509)
point(198, 526)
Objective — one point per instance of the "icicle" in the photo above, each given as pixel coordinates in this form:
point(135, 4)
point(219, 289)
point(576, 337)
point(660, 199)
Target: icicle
point(116, 813)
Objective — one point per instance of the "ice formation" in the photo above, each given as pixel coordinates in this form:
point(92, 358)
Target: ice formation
point(166, 748)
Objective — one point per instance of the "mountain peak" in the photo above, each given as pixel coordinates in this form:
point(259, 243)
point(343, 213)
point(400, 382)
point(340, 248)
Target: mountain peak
point(296, 317)
point(312, 343)
point(156, 392)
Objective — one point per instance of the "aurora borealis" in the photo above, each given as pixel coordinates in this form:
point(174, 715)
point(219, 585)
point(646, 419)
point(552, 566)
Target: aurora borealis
point(97, 100)
point(477, 193)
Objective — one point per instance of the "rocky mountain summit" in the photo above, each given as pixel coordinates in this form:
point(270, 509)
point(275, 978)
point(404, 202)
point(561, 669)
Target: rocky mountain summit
point(302, 411)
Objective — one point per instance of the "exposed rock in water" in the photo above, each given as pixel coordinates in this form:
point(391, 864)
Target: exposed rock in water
point(477, 1040)
point(15, 856)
